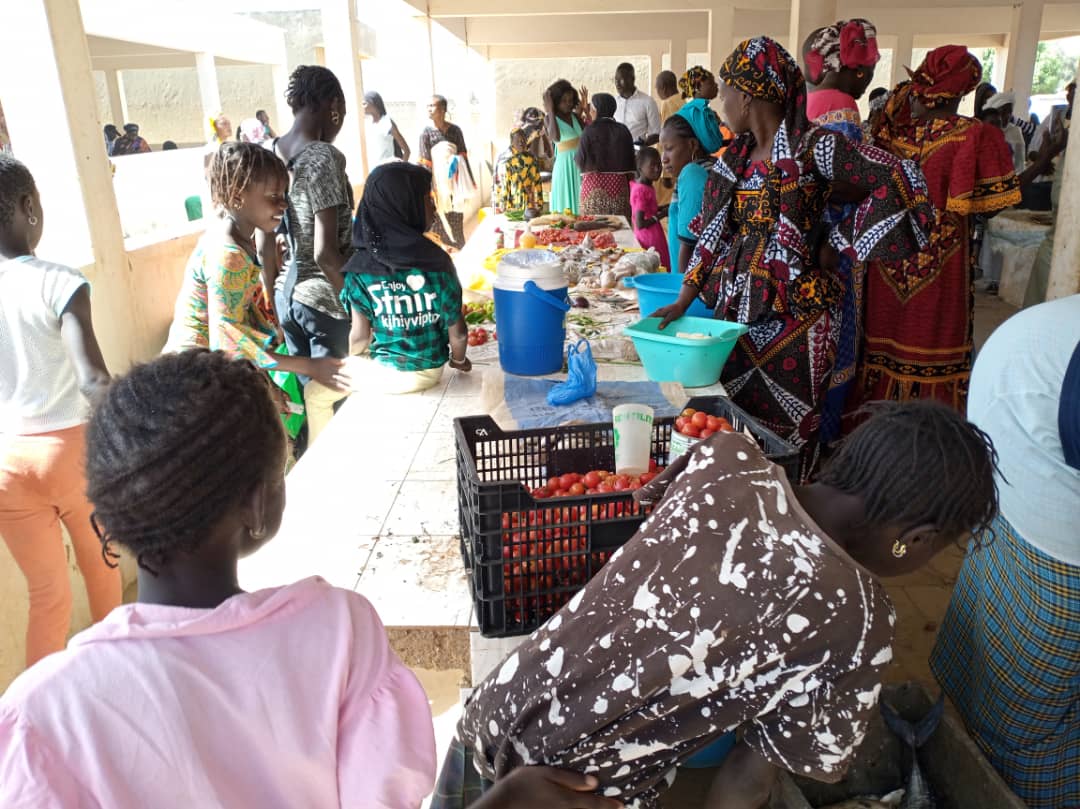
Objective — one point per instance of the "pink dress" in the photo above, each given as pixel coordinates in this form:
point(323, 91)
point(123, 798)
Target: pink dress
point(643, 198)
point(279, 698)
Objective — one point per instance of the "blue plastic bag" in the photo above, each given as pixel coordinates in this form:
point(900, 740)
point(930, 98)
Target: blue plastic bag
point(580, 376)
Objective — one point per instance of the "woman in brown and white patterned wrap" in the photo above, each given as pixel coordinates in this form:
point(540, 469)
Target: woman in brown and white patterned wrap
point(744, 603)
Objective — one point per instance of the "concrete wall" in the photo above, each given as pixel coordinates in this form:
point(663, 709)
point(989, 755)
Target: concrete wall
point(165, 103)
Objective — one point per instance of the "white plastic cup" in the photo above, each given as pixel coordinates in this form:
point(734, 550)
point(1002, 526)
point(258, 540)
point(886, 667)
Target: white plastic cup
point(633, 438)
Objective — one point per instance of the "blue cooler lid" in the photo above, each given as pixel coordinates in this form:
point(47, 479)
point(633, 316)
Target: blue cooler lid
point(543, 267)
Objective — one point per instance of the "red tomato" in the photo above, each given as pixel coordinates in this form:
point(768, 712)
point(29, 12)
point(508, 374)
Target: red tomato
point(592, 480)
point(646, 477)
point(692, 431)
point(542, 493)
point(634, 486)
point(707, 432)
point(566, 481)
point(699, 420)
point(555, 484)
point(680, 424)
point(660, 469)
point(605, 488)
point(712, 423)
point(652, 464)
point(725, 425)
point(577, 488)
point(590, 491)
point(622, 483)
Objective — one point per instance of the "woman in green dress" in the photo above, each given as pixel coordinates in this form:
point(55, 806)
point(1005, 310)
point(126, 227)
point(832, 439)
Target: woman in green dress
point(564, 107)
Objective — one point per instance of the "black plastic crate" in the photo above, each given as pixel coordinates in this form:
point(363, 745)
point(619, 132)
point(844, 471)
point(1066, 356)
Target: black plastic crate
point(526, 557)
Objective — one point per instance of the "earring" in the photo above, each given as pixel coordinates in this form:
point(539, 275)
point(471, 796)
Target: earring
point(257, 533)
point(335, 117)
point(899, 550)
point(32, 220)
point(860, 74)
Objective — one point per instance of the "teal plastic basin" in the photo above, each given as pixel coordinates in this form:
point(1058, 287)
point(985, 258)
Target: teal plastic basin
point(694, 363)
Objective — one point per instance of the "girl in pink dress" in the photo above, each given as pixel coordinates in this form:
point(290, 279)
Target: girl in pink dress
point(647, 214)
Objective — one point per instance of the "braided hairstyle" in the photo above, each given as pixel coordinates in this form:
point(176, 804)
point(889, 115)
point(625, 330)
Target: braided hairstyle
point(236, 166)
point(173, 447)
point(311, 86)
point(16, 182)
point(919, 462)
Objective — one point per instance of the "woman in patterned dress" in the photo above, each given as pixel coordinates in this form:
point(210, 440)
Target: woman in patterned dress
point(759, 258)
point(606, 158)
point(919, 313)
point(223, 305)
point(840, 60)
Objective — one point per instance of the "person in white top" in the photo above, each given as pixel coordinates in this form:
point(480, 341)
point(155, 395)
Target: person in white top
point(384, 141)
point(50, 365)
point(633, 108)
point(1003, 103)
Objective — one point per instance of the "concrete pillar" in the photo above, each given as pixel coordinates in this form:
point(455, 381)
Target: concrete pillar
point(905, 46)
point(46, 40)
point(677, 49)
point(656, 65)
point(721, 34)
point(342, 41)
point(209, 95)
point(1023, 44)
point(807, 16)
point(1001, 60)
point(1065, 263)
point(117, 102)
point(279, 77)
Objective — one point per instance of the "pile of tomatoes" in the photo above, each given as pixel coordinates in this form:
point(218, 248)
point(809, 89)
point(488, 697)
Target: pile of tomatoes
point(699, 424)
point(599, 481)
point(601, 239)
point(479, 336)
point(546, 557)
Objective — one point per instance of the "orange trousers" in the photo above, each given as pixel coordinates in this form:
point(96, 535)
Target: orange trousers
point(42, 482)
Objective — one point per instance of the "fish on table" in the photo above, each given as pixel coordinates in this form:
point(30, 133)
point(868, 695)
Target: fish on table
point(890, 801)
point(918, 795)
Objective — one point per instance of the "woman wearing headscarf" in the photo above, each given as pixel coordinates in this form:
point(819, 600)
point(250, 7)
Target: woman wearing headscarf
point(401, 289)
point(840, 60)
point(605, 156)
point(758, 260)
point(919, 312)
point(698, 86)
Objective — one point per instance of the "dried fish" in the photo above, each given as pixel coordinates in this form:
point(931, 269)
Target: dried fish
point(915, 735)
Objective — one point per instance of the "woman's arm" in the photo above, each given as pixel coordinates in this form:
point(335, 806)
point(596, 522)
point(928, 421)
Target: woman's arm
point(400, 141)
point(266, 248)
point(744, 781)
point(686, 250)
point(80, 342)
point(359, 333)
point(459, 343)
point(327, 253)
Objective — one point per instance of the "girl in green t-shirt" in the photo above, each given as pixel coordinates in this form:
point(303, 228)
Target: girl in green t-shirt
point(401, 289)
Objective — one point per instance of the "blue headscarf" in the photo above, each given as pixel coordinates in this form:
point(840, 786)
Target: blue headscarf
point(704, 122)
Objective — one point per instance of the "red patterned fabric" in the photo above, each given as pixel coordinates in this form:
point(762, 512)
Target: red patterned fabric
point(919, 312)
point(605, 193)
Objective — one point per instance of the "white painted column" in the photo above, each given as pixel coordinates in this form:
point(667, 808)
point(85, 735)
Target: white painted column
point(656, 65)
point(721, 34)
point(1023, 44)
point(1065, 263)
point(117, 102)
point(905, 46)
point(279, 78)
point(46, 40)
point(341, 38)
point(1001, 60)
point(807, 16)
point(209, 95)
point(677, 49)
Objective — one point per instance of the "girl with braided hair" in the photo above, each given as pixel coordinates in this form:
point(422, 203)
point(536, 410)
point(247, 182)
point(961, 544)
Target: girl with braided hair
point(760, 259)
point(50, 366)
point(201, 694)
point(223, 304)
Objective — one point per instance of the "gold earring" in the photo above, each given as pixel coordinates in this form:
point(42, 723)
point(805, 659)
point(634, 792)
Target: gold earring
point(899, 549)
point(257, 533)
point(335, 117)
point(32, 220)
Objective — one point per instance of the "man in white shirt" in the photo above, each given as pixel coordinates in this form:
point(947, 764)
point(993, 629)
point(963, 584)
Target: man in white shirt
point(633, 108)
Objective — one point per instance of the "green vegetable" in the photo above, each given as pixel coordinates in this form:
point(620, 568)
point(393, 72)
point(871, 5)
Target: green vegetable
point(477, 313)
point(515, 216)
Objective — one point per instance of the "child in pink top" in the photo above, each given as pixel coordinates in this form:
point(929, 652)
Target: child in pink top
point(647, 214)
point(202, 695)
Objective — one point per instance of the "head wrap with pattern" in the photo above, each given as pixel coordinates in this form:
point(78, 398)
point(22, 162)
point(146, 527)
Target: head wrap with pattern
point(691, 79)
point(847, 43)
point(948, 73)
